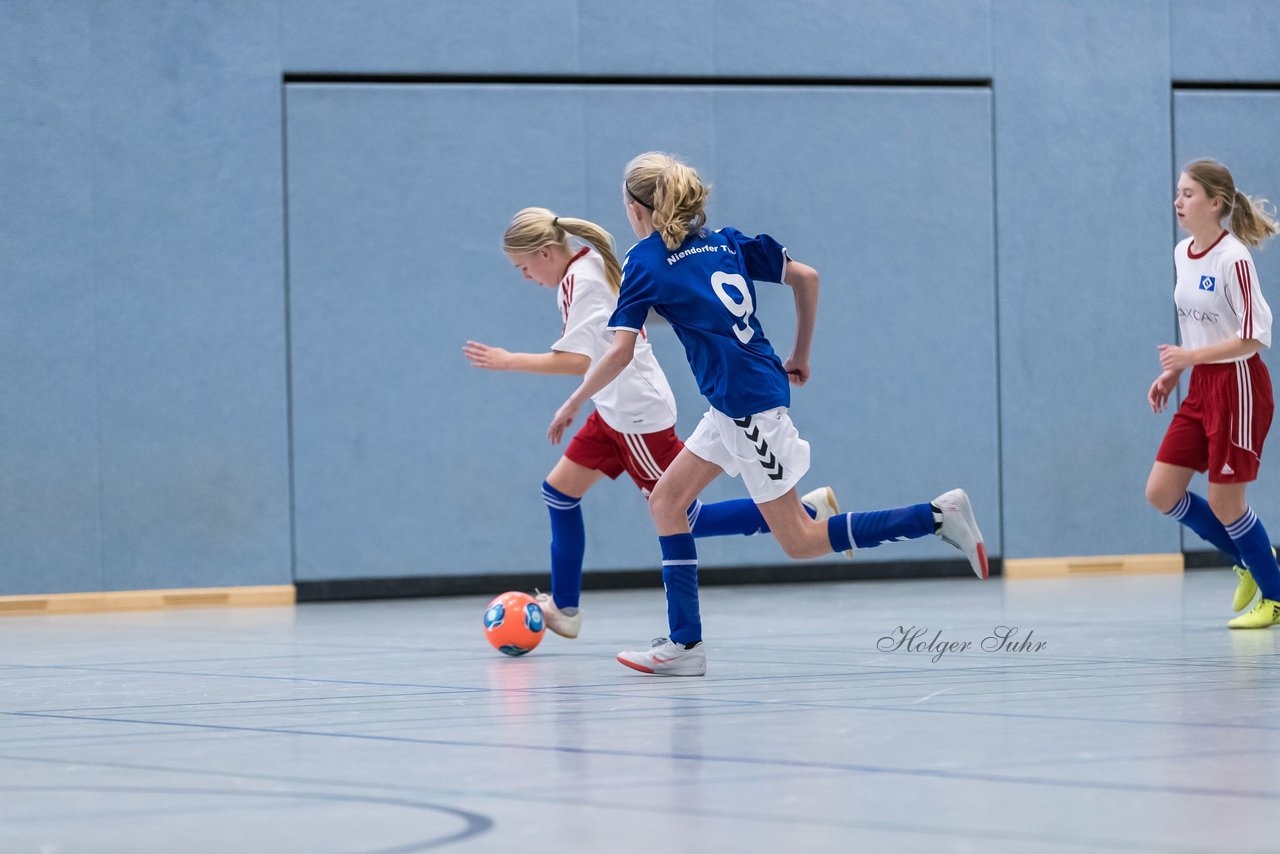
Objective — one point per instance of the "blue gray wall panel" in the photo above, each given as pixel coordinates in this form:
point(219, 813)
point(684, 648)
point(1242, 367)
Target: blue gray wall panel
point(1225, 41)
point(902, 404)
point(406, 458)
point(187, 254)
point(965, 235)
point(756, 38)
point(49, 484)
point(148, 390)
point(1083, 193)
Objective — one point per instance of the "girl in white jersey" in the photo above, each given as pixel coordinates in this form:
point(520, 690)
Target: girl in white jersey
point(632, 427)
point(701, 281)
point(1221, 425)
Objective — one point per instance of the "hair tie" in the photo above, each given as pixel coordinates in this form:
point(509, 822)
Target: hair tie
point(555, 222)
point(636, 198)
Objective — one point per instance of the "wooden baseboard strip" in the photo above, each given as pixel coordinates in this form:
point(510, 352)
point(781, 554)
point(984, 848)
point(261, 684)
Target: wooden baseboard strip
point(1059, 567)
point(148, 600)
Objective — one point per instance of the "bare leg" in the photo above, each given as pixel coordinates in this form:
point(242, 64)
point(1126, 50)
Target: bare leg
point(680, 484)
point(799, 535)
point(573, 479)
point(1228, 501)
point(1167, 484)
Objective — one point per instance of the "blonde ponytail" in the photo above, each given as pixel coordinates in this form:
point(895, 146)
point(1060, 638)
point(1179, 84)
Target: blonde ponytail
point(533, 228)
point(1250, 221)
point(673, 191)
point(1249, 218)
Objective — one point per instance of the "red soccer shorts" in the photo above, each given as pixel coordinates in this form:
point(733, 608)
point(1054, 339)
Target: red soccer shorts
point(1222, 424)
point(644, 456)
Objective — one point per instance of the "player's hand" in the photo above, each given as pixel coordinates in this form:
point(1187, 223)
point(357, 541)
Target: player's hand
point(1158, 394)
point(797, 370)
point(563, 418)
point(1174, 358)
point(484, 356)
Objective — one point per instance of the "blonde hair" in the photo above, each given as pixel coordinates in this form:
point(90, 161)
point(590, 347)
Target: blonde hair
point(1249, 218)
point(673, 191)
point(533, 228)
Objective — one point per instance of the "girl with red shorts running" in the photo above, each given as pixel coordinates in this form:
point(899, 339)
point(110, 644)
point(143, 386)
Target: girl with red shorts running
point(1221, 425)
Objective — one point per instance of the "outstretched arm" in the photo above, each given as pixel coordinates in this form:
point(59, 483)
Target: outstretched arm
point(498, 359)
point(803, 280)
point(603, 372)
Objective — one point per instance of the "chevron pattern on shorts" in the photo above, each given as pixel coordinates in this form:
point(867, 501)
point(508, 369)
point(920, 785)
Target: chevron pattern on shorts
point(768, 460)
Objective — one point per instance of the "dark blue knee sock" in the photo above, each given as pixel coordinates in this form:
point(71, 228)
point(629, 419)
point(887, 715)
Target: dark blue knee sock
point(1194, 512)
point(568, 544)
point(680, 577)
point(724, 518)
point(1254, 545)
point(868, 530)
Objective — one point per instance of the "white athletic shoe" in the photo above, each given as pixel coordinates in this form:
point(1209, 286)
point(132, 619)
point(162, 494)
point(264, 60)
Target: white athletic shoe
point(823, 502)
point(665, 658)
point(960, 529)
point(558, 621)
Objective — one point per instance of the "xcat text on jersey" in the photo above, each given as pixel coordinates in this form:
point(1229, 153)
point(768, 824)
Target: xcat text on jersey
point(1197, 315)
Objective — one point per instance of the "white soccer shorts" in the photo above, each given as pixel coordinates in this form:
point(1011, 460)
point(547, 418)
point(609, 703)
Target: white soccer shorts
point(764, 449)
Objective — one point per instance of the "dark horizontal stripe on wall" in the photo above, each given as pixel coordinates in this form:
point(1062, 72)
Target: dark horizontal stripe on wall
point(1228, 85)
point(320, 77)
point(1212, 559)
point(492, 585)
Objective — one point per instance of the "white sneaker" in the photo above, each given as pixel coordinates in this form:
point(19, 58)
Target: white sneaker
point(960, 529)
point(558, 621)
point(823, 503)
point(665, 658)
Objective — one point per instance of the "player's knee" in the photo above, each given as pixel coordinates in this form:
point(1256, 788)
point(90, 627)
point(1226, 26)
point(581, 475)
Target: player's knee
point(664, 507)
point(793, 544)
point(795, 550)
point(1227, 510)
point(1161, 496)
point(1158, 498)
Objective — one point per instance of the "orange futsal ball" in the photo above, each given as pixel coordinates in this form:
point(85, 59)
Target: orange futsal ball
point(513, 623)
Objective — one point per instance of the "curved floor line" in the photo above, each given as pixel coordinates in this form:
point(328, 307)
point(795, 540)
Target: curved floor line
point(475, 823)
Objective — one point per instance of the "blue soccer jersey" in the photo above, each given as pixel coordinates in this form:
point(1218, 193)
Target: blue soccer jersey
point(704, 289)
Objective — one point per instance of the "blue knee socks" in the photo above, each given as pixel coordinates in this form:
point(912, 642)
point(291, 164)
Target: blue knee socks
point(568, 536)
point(1254, 545)
point(1194, 512)
point(680, 578)
point(724, 518)
point(868, 530)
point(568, 544)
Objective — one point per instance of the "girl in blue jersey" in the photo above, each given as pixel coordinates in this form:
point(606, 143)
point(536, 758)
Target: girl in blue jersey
point(701, 282)
point(632, 427)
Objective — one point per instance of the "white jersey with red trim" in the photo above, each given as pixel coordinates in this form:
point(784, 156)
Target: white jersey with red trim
point(640, 399)
point(1218, 296)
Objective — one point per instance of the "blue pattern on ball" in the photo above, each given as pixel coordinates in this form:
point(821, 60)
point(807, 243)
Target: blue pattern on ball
point(494, 616)
point(512, 649)
point(533, 617)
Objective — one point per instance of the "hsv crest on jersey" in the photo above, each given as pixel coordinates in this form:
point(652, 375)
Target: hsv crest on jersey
point(1206, 283)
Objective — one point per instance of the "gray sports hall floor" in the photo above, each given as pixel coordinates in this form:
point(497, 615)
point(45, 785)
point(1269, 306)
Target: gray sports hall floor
point(1143, 724)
